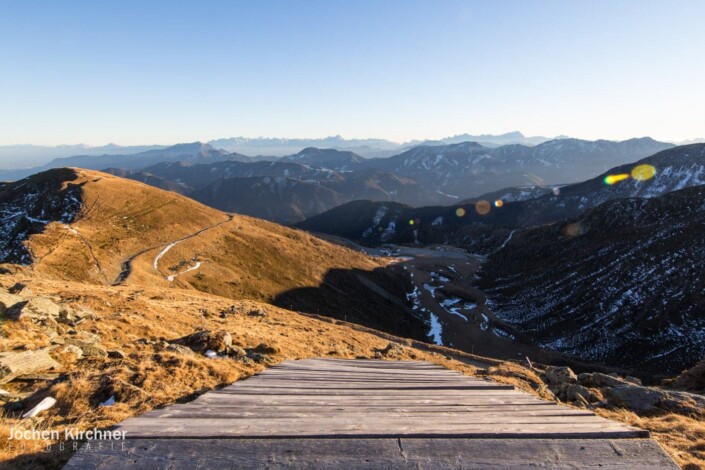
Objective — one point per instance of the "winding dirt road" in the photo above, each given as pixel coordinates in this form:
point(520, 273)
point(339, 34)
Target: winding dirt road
point(126, 265)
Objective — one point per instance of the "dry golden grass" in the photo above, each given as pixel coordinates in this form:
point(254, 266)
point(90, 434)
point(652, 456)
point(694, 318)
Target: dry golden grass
point(151, 377)
point(682, 437)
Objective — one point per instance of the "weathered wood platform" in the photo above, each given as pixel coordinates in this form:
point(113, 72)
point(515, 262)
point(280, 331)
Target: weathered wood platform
point(329, 413)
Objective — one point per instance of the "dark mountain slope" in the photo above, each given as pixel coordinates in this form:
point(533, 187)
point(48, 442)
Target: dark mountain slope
point(622, 285)
point(27, 206)
point(326, 158)
point(196, 176)
point(675, 168)
point(468, 169)
point(284, 200)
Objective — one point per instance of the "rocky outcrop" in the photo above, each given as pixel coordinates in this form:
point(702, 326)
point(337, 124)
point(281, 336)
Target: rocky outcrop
point(612, 391)
point(16, 364)
point(693, 379)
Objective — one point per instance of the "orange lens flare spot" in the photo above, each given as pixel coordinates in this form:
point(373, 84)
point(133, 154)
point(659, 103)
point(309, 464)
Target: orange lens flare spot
point(498, 203)
point(482, 207)
point(643, 172)
point(614, 179)
point(460, 212)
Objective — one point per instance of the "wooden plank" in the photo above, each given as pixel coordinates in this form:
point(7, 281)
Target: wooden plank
point(413, 427)
point(362, 392)
point(372, 414)
point(367, 414)
point(404, 453)
point(371, 409)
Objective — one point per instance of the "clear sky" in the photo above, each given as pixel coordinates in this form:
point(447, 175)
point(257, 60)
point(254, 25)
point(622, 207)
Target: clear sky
point(163, 72)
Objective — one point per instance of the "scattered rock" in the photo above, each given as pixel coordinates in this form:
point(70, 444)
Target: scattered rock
point(202, 341)
point(119, 389)
point(257, 313)
point(72, 349)
point(634, 397)
point(37, 308)
point(259, 357)
point(74, 316)
point(693, 379)
point(684, 403)
point(7, 301)
point(236, 352)
point(89, 348)
point(574, 392)
point(632, 380)
point(581, 401)
point(14, 364)
point(177, 348)
point(265, 349)
point(560, 375)
point(391, 350)
point(598, 379)
point(116, 354)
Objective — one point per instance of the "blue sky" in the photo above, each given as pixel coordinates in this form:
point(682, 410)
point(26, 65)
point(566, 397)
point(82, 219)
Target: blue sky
point(174, 71)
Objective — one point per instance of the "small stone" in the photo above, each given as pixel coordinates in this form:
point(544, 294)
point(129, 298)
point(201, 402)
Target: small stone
point(573, 392)
point(236, 351)
point(72, 349)
point(116, 354)
point(257, 313)
point(604, 380)
point(177, 348)
point(632, 380)
point(391, 350)
point(265, 349)
point(90, 349)
point(560, 375)
point(36, 308)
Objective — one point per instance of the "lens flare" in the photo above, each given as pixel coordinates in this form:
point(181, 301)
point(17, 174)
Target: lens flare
point(482, 207)
point(643, 172)
point(574, 230)
point(614, 179)
point(498, 203)
point(411, 222)
point(460, 212)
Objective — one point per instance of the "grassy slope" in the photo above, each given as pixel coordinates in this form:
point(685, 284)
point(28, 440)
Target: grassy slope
point(148, 308)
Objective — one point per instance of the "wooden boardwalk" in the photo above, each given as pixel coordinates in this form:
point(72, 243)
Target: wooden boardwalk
point(328, 413)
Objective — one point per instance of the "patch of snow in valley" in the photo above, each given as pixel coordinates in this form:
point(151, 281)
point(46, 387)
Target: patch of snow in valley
point(436, 331)
point(431, 289)
point(448, 305)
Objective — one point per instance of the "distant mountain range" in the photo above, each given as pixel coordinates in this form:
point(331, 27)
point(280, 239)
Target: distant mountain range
point(374, 223)
point(27, 156)
point(314, 180)
point(368, 148)
point(284, 191)
point(191, 152)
